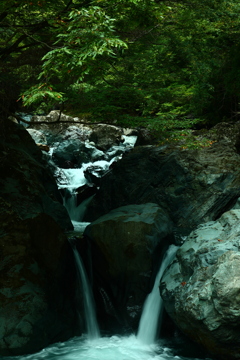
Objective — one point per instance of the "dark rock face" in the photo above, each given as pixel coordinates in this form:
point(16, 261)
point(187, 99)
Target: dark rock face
point(32, 252)
point(36, 275)
point(193, 186)
point(201, 288)
point(124, 244)
point(84, 192)
point(25, 182)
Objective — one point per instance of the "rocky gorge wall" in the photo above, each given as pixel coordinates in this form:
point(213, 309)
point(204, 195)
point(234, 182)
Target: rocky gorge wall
point(154, 196)
point(34, 278)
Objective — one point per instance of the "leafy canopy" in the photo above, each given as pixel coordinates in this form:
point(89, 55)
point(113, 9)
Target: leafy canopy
point(163, 64)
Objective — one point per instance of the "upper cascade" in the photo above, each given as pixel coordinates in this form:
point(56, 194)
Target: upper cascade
point(80, 155)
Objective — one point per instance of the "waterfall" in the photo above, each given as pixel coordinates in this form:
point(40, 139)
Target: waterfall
point(75, 212)
point(117, 347)
point(89, 306)
point(153, 306)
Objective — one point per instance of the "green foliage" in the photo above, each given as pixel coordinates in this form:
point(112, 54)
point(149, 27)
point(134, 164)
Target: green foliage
point(88, 38)
point(38, 94)
point(26, 34)
point(89, 35)
point(165, 65)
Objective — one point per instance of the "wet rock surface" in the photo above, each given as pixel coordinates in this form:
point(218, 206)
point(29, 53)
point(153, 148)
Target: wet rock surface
point(201, 288)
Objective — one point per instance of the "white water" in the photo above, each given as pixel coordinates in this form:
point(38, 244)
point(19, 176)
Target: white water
point(76, 178)
point(79, 227)
point(106, 348)
point(153, 306)
point(89, 306)
point(75, 212)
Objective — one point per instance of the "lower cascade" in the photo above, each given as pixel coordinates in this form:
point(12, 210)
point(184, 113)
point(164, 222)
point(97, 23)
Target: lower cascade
point(153, 307)
point(91, 346)
point(89, 306)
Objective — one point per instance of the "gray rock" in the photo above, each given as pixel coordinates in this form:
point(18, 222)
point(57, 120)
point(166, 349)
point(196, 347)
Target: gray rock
point(201, 288)
point(105, 136)
point(67, 127)
point(73, 153)
point(37, 136)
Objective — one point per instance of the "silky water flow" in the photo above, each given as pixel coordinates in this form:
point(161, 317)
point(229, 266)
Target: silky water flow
point(153, 307)
point(91, 346)
point(88, 300)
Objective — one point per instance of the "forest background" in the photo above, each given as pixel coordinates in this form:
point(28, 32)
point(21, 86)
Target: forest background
point(165, 65)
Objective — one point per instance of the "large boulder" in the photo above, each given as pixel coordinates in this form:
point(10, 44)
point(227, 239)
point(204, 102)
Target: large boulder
point(201, 288)
point(193, 186)
point(58, 127)
point(74, 143)
point(126, 246)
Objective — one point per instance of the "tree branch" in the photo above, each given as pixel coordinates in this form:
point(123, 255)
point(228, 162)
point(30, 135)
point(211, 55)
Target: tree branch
point(58, 121)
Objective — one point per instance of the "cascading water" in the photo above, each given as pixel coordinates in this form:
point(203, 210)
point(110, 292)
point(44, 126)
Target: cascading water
point(153, 306)
point(92, 346)
point(89, 306)
point(75, 178)
point(76, 212)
